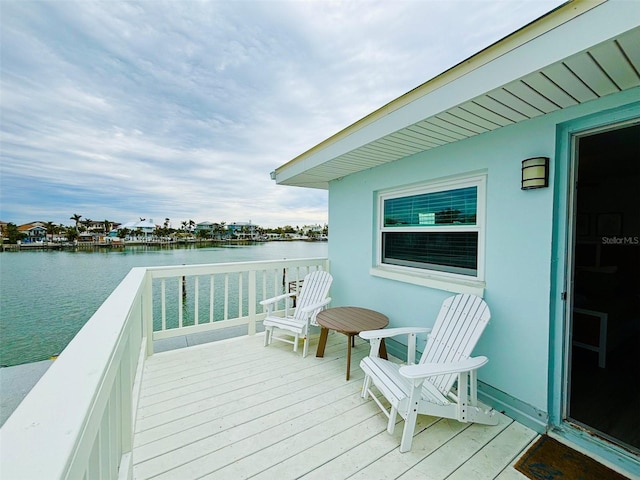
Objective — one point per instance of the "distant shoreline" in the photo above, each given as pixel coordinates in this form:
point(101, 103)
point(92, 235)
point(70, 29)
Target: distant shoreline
point(132, 243)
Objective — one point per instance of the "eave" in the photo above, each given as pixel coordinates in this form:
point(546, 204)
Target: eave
point(581, 51)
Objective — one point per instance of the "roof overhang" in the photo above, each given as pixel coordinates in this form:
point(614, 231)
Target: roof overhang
point(580, 51)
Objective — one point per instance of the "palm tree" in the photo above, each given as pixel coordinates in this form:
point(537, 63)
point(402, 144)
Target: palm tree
point(124, 233)
point(76, 218)
point(12, 234)
point(107, 227)
point(223, 229)
point(86, 222)
point(71, 233)
point(51, 228)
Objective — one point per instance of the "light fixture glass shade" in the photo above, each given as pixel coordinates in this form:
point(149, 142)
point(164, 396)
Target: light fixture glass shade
point(535, 173)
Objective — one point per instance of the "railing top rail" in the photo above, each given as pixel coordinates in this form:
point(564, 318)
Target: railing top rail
point(203, 269)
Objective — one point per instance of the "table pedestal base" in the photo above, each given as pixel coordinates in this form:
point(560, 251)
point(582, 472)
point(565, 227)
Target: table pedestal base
point(324, 333)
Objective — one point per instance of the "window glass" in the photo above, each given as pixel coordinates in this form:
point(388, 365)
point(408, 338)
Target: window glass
point(455, 252)
point(438, 208)
point(437, 227)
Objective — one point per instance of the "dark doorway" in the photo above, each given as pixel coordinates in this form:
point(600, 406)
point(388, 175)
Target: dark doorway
point(604, 378)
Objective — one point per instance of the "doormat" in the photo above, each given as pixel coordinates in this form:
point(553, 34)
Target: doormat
point(548, 459)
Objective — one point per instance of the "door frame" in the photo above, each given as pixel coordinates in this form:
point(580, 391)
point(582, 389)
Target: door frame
point(564, 214)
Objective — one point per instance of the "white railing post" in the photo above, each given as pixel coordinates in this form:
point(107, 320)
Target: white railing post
point(147, 312)
point(163, 303)
point(126, 410)
point(226, 296)
point(240, 287)
point(196, 297)
point(252, 301)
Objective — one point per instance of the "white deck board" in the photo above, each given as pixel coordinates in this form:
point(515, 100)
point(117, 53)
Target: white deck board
point(485, 464)
point(236, 409)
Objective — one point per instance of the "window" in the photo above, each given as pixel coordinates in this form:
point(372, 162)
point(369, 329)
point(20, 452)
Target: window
point(434, 229)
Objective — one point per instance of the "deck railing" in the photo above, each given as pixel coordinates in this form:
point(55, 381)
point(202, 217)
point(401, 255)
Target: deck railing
point(79, 419)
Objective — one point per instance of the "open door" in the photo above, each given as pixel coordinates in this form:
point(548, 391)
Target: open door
point(604, 373)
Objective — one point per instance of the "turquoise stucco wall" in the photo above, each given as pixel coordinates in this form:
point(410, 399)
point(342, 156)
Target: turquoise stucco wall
point(519, 245)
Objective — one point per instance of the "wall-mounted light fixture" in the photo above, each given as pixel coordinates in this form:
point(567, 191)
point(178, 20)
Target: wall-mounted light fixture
point(535, 173)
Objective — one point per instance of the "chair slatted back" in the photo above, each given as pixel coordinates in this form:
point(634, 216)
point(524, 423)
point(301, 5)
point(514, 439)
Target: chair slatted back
point(315, 288)
point(461, 321)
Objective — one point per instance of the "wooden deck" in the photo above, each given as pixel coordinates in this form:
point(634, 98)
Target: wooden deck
point(234, 409)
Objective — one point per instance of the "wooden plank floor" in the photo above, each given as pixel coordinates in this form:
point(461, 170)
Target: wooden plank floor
point(234, 409)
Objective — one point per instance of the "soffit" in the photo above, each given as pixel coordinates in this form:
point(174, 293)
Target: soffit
point(606, 68)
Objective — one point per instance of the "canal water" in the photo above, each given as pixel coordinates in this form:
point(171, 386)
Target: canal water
point(47, 296)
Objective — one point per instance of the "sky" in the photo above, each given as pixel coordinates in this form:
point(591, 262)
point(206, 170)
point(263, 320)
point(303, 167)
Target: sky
point(180, 109)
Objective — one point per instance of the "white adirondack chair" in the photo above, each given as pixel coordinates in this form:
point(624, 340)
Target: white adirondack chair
point(310, 301)
point(427, 387)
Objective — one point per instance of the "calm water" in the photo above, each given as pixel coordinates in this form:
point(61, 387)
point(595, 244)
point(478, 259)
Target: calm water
point(47, 296)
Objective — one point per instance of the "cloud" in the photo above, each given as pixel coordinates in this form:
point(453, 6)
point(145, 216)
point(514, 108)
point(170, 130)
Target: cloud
point(180, 109)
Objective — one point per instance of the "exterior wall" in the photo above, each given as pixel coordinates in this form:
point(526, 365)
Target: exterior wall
point(519, 246)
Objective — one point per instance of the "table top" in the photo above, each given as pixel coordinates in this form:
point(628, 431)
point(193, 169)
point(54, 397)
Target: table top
point(351, 319)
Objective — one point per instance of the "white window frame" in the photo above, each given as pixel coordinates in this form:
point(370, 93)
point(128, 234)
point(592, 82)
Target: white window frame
point(454, 282)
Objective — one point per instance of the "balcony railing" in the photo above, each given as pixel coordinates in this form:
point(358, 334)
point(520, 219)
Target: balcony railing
point(78, 421)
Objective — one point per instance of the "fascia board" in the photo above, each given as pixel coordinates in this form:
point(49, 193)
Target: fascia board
point(590, 28)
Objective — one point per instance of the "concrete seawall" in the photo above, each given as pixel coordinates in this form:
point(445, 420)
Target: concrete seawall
point(16, 382)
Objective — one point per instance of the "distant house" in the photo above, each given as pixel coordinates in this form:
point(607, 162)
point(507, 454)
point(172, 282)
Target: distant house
point(90, 236)
point(34, 232)
point(210, 229)
point(316, 229)
point(59, 237)
point(514, 176)
point(243, 230)
point(143, 228)
point(99, 227)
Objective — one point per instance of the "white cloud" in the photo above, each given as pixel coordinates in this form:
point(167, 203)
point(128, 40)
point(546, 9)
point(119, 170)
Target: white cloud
point(181, 109)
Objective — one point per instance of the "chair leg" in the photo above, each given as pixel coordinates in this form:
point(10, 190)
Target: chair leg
point(407, 433)
point(410, 421)
point(365, 386)
point(267, 336)
point(393, 415)
point(295, 342)
point(305, 347)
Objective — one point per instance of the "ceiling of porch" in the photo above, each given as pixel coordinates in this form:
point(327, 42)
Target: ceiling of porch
point(606, 68)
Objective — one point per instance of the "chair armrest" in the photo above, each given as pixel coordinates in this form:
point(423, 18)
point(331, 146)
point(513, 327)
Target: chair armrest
point(392, 332)
point(425, 370)
point(376, 337)
point(315, 306)
point(269, 301)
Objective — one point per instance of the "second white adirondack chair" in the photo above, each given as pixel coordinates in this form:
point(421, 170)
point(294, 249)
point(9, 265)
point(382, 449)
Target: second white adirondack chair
point(427, 387)
point(310, 301)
